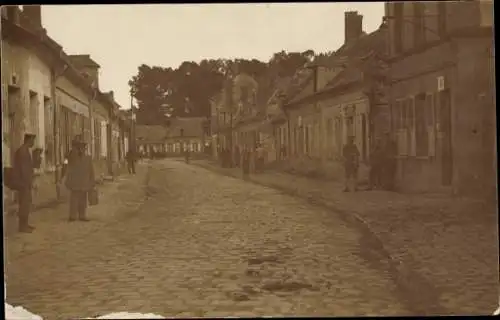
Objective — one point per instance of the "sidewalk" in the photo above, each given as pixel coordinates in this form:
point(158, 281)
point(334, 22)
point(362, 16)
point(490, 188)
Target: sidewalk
point(445, 248)
point(117, 199)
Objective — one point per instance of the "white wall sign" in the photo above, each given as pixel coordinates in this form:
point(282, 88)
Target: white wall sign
point(440, 83)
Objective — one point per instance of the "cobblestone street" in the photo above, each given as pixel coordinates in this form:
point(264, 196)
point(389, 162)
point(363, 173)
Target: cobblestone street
point(438, 244)
point(200, 244)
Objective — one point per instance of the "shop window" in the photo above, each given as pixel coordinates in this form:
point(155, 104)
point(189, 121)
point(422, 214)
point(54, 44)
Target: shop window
point(421, 135)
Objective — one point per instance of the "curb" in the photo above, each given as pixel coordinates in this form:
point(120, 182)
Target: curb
point(418, 294)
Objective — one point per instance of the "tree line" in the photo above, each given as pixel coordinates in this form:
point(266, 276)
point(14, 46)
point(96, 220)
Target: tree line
point(186, 91)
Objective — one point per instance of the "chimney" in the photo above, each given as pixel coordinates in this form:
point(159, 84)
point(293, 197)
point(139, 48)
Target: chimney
point(14, 14)
point(353, 26)
point(34, 14)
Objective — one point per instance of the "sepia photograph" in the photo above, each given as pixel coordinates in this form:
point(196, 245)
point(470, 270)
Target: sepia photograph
point(295, 159)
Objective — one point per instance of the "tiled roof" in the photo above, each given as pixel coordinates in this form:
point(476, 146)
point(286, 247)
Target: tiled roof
point(83, 60)
point(150, 133)
point(373, 42)
point(361, 47)
point(193, 127)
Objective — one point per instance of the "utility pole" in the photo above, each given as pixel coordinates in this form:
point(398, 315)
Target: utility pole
point(54, 75)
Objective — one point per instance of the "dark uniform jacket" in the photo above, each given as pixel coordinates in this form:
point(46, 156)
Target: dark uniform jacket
point(23, 168)
point(80, 173)
point(351, 156)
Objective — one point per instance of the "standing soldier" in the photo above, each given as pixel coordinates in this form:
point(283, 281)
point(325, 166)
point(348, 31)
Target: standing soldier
point(131, 159)
point(80, 179)
point(260, 157)
point(245, 165)
point(351, 163)
point(24, 174)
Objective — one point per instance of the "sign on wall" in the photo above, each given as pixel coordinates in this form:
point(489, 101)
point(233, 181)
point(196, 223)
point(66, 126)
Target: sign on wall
point(440, 83)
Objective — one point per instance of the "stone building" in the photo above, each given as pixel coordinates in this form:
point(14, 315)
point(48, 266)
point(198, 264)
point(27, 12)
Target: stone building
point(185, 134)
point(150, 139)
point(332, 101)
point(442, 94)
point(45, 92)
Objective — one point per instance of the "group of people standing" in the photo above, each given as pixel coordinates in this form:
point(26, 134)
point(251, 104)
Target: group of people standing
point(242, 158)
point(382, 164)
point(77, 172)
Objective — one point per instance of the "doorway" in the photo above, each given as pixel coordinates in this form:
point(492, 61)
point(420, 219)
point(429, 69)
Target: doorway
point(363, 137)
point(445, 123)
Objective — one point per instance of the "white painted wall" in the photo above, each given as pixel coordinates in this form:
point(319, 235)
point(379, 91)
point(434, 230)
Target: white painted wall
point(39, 81)
point(104, 139)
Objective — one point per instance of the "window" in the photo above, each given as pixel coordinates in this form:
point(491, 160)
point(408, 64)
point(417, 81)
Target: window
point(306, 140)
point(421, 135)
point(329, 141)
point(244, 95)
point(49, 133)
point(398, 26)
point(441, 18)
point(418, 23)
point(410, 116)
point(97, 139)
point(429, 109)
point(429, 118)
point(65, 132)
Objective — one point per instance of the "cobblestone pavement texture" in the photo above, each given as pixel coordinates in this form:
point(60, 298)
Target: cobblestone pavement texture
point(445, 246)
point(202, 244)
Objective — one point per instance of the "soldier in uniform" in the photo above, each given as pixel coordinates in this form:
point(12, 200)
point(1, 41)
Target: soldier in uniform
point(24, 175)
point(351, 163)
point(80, 179)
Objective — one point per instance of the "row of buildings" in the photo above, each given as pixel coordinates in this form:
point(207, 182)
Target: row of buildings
point(55, 96)
point(174, 139)
point(425, 77)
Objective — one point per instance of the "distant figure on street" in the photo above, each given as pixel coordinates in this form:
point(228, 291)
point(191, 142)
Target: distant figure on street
point(237, 156)
point(376, 165)
point(260, 157)
point(186, 155)
point(390, 163)
point(131, 160)
point(351, 163)
point(245, 163)
point(80, 179)
point(24, 174)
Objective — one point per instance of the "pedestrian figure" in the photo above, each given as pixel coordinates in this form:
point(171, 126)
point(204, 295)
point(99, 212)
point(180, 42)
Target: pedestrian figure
point(390, 163)
point(80, 179)
point(131, 159)
point(376, 165)
point(186, 155)
point(260, 157)
point(246, 163)
point(351, 163)
point(24, 174)
point(237, 156)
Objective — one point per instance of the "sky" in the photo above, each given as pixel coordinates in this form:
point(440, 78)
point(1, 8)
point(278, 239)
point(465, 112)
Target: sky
point(122, 37)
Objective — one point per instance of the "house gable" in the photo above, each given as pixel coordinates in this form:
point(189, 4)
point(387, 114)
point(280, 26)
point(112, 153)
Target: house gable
point(306, 90)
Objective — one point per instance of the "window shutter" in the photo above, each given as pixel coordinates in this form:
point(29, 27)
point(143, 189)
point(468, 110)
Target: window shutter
point(431, 124)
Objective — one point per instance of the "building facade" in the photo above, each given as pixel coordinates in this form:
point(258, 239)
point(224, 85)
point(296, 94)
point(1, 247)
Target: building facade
point(185, 134)
point(442, 94)
point(46, 93)
point(332, 102)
